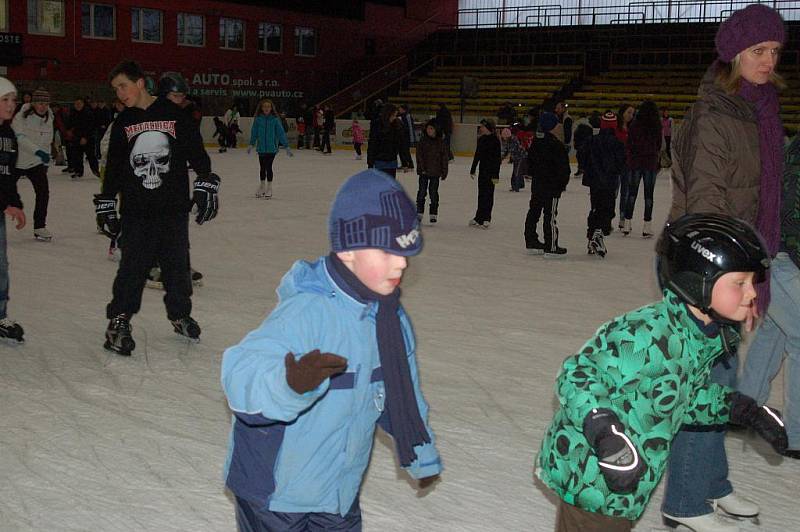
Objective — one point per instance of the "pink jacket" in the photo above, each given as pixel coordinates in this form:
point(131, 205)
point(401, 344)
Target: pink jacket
point(358, 134)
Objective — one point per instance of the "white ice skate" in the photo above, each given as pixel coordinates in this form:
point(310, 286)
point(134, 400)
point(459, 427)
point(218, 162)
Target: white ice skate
point(268, 193)
point(626, 227)
point(647, 230)
point(737, 506)
point(42, 234)
point(702, 523)
point(261, 192)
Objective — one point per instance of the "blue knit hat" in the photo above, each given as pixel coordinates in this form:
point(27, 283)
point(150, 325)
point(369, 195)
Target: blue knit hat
point(371, 210)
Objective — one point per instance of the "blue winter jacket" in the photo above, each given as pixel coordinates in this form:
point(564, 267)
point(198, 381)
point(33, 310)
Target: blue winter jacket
point(308, 453)
point(267, 134)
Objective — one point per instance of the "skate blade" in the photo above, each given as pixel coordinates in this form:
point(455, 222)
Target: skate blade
point(155, 285)
point(188, 338)
point(13, 341)
point(110, 347)
point(43, 239)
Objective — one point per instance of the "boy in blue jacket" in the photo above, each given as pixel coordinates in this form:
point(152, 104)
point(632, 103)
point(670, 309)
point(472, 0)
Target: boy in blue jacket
point(335, 358)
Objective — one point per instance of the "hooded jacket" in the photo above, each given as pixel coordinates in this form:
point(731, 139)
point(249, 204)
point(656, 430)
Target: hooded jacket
point(716, 160)
point(550, 163)
point(603, 160)
point(308, 453)
point(267, 134)
point(651, 367)
point(34, 133)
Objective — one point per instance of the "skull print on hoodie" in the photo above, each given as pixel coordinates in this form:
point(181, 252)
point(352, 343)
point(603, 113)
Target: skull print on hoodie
point(148, 155)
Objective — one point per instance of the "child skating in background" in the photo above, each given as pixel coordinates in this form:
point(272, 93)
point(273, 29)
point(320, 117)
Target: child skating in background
point(432, 163)
point(488, 156)
point(267, 135)
point(221, 133)
point(518, 154)
point(645, 374)
point(333, 360)
point(358, 138)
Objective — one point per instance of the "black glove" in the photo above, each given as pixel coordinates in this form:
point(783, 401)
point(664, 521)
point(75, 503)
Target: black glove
point(204, 197)
point(764, 420)
point(306, 374)
point(105, 208)
point(619, 461)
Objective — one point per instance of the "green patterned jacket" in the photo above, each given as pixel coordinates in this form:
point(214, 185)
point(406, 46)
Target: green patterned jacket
point(790, 203)
point(651, 367)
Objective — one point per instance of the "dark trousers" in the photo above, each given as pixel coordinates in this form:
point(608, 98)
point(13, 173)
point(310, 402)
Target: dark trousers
point(649, 178)
point(624, 179)
point(573, 519)
point(316, 137)
point(249, 518)
point(357, 147)
point(41, 187)
point(668, 146)
point(265, 161)
point(78, 153)
point(547, 205)
point(428, 185)
point(601, 210)
point(485, 199)
point(301, 138)
point(325, 147)
point(405, 157)
point(145, 239)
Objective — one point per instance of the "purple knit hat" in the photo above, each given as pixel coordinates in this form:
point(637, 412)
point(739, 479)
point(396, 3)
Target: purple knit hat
point(754, 24)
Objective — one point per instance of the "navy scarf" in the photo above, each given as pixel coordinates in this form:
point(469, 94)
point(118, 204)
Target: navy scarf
point(408, 429)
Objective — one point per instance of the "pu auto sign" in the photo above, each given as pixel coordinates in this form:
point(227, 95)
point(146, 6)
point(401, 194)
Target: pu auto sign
point(10, 49)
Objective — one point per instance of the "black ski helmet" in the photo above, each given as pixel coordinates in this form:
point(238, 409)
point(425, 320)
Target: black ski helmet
point(172, 82)
point(695, 250)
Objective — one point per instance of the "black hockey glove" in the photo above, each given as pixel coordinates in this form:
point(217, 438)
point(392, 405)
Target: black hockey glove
point(204, 197)
point(314, 367)
point(619, 461)
point(105, 209)
point(764, 420)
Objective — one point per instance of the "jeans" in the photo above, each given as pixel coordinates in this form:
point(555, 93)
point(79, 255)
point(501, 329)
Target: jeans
point(517, 178)
point(698, 464)
point(428, 184)
point(634, 176)
point(778, 334)
point(3, 268)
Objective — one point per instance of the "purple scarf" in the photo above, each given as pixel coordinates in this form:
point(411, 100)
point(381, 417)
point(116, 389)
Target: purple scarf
point(770, 137)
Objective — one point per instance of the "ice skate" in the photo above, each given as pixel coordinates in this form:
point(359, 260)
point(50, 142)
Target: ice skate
point(187, 327)
point(118, 335)
point(485, 225)
point(268, 193)
point(154, 280)
point(555, 253)
point(647, 230)
point(197, 278)
point(433, 218)
point(262, 190)
point(626, 227)
point(42, 234)
point(597, 245)
point(473, 223)
point(11, 330)
point(702, 523)
point(736, 506)
point(537, 248)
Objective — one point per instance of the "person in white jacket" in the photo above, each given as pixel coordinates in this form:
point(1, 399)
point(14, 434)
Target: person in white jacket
point(33, 126)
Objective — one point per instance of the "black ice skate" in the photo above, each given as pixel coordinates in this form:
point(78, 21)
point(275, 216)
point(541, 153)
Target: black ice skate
point(118, 335)
point(197, 278)
point(597, 245)
point(11, 330)
point(187, 327)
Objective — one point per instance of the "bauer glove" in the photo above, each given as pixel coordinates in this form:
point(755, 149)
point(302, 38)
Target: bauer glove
point(764, 420)
point(105, 208)
point(619, 461)
point(204, 197)
point(307, 373)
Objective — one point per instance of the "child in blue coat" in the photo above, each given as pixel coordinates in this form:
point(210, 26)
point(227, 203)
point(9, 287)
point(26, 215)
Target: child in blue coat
point(334, 359)
point(267, 135)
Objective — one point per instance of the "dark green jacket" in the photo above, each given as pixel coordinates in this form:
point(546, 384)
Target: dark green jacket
point(790, 208)
point(651, 367)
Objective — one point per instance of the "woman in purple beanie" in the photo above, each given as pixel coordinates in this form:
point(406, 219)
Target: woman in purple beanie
point(728, 156)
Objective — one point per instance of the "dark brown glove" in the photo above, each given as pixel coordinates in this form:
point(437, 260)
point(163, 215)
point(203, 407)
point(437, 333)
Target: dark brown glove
point(313, 368)
point(427, 482)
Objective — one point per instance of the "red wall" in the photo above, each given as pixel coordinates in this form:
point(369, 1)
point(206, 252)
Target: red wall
point(340, 55)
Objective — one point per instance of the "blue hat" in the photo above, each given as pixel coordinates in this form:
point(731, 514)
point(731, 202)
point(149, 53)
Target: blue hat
point(547, 122)
point(371, 210)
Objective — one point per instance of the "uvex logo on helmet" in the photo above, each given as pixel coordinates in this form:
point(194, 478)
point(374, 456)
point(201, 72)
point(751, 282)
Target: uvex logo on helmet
point(408, 239)
point(703, 251)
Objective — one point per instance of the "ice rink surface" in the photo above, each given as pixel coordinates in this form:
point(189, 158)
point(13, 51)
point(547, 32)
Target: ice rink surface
point(90, 441)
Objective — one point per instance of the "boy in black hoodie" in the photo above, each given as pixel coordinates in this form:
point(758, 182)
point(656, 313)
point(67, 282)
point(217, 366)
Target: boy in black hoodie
point(487, 154)
point(151, 142)
point(548, 156)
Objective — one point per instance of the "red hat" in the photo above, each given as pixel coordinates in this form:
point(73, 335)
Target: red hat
point(608, 120)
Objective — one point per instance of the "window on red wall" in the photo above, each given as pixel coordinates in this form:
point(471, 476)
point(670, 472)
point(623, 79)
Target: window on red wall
point(46, 17)
point(3, 15)
point(270, 38)
point(146, 25)
point(97, 21)
point(231, 33)
point(191, 29)
point(305, 41)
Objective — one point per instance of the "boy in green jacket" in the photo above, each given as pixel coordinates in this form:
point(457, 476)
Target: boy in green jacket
point(643, 375)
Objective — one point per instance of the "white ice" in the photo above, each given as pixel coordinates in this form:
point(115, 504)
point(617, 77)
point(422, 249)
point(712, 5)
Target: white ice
point(91, 441)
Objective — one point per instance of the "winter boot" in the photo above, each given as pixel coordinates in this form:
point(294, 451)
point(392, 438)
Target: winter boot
point(187, 327)
point(268, 193)
point(42, 234)
point(118, 335)
point(626, 227)
point(597, 245)
point(555, 253)
point(647, 230)
point(736, 506)
point(11, 330)
point(262, 190)
point(702, 523)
